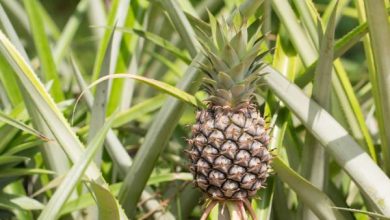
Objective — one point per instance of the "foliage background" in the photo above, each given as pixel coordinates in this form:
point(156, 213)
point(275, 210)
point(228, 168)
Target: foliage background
point(52, 161)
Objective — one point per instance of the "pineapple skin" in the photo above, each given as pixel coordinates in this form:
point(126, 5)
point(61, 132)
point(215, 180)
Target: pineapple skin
point(229, 152)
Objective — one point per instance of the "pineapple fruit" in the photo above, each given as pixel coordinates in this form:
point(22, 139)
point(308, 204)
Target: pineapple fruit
point(229, 145)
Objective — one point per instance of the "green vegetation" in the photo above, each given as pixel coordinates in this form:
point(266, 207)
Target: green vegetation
point(97, 99)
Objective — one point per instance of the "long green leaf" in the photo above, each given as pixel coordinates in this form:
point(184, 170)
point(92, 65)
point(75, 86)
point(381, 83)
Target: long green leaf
point(17, 124)
point(343, 87)
point(50, 25)
point(181, 24)
point(341, 46)
point(307, 19)
point(116, 16)
point(53, 208)
point(17, 11)
point(44, 103)
point(171, 90)
point(69, 31)
point(7, 79)
point(98, 111)
point(11, 172)
point(118, 152)
point(379, 30)
point(41, 42)
point(46, 107)
point(314, 158)
point(138, 110)
point(108, 206)
point(5, 160)
point(160, 42)
point(169, 177)
point(85, 200)
point(19, 202)
point(17, 189)
point(54, 156)
point(356, 121)
point(155, 140)
point(129, 57)
point(318, 202)
point(336, 140)
point(22, 147)
point(299, 39)
point(375, 215)
point(52, 184)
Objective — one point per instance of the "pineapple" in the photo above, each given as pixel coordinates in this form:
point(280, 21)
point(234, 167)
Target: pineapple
point(229, 144)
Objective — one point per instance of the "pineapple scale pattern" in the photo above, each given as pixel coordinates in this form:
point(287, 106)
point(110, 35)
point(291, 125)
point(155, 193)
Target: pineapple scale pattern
point(229, 152)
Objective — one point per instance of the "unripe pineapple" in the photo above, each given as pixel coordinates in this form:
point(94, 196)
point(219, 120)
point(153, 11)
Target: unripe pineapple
point(229, 144)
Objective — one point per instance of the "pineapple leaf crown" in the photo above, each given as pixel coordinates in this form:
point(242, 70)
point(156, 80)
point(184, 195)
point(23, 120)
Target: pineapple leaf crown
point(234, 60)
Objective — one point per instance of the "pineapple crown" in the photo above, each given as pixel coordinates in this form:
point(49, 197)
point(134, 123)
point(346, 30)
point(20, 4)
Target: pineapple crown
point(234, 60)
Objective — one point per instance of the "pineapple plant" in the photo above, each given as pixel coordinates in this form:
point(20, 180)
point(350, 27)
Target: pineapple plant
point(228, 150)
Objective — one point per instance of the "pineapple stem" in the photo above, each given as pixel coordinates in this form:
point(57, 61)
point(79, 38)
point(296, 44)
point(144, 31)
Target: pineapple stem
point(241, 210)
point(239, 207)
point(209, 207)
point(250, 209)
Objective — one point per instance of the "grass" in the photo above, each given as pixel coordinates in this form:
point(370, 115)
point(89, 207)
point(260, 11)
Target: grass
point(95, 103)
